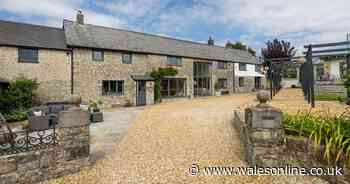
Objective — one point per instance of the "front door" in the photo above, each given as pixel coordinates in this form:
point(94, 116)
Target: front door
point(141, 93)
point(257, 82)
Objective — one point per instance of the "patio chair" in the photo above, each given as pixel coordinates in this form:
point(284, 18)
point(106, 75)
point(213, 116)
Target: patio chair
point(6, 134)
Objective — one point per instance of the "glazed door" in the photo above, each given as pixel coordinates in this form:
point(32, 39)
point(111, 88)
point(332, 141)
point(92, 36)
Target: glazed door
point(141, 93)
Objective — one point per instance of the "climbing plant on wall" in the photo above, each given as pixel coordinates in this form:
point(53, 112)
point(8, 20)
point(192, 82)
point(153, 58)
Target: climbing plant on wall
point(158, 75)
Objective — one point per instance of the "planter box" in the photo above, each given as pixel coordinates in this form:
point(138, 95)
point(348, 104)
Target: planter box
point(96, 117)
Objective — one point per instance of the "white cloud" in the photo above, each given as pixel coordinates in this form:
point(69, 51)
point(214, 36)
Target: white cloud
point(134, 8)
point(301, 22)
point(53, 12)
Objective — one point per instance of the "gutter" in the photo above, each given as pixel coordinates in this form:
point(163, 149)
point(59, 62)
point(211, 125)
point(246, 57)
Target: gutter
point(72, 71)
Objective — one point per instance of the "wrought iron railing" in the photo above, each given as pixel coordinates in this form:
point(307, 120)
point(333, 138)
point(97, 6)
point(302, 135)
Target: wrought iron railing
point(27, 140)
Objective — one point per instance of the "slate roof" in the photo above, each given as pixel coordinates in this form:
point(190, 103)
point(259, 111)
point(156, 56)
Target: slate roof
point(92, 36)
point(21, 34)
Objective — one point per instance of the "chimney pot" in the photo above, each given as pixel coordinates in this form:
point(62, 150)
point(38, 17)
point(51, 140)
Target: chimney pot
point(80, 17)
point(210, 41)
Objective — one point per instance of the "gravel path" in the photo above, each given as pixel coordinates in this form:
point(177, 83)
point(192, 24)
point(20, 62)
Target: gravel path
point(292, 101)
point(166, 139)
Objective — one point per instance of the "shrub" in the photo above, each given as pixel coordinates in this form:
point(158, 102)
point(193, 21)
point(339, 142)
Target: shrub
point(17, 98)
point(331, 131)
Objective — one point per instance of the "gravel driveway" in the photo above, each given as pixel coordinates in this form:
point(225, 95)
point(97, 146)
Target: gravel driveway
point(166, 139)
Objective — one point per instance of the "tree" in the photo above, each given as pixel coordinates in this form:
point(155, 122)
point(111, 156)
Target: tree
point(278, 49)
point(240, 46)
point(252, 51)
point(237, 45)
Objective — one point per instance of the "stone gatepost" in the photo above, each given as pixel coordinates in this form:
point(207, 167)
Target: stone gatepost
point(73, 140)
point(264, 134)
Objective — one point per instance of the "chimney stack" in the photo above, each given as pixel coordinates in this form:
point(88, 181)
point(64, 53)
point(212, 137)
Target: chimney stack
point(210, 41)
point(80, 17)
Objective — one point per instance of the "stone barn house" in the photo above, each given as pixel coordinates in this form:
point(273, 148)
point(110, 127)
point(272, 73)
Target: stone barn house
point(115, 65)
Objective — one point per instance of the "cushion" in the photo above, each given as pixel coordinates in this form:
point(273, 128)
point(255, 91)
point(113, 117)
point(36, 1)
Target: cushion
point(38, 113)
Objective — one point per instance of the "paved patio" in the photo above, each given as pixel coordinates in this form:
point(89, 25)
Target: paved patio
point(105, 135)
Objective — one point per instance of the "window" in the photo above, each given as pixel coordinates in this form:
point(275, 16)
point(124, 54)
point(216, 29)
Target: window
point(97, 55)
point(127, 59)
point(174, 61)
point(258, 68)
point(342, 68)
point(222, 65)
point(28, 55)
point(173, 87)
point(241, 82)
point(242, 67)
point(320, 73)
point(222, 83)
point(112, 88)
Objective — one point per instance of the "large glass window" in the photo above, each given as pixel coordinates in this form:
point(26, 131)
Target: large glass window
point(112, 88)
point(173, 87)
point(172, 60)
point(242, 67)
point(127, 59)
point(97, 55)
point(222, 83)
point(241, 82)
point(222, 65)
point(28, 55)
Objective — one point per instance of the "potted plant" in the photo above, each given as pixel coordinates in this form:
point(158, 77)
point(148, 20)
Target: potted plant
point(95, 106)
point(217, 89)
point(95, 111)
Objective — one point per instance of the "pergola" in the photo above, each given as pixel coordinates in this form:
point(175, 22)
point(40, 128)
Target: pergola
point(335, 49)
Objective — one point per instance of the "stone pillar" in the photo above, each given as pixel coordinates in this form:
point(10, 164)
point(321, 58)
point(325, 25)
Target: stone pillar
point(264, 135)
point(73, 140)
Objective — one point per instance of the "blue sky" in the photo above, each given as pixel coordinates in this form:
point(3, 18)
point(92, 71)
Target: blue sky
point(252, 22)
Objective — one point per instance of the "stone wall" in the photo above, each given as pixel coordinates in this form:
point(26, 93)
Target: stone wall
point(261, 134)
point(224, 74)
point(264, 143)
point(67, 157)
point(52, 72)
point(88, 74)
point(249, 84)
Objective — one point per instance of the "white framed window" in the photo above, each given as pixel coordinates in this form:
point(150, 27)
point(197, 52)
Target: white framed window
point(112, 87)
